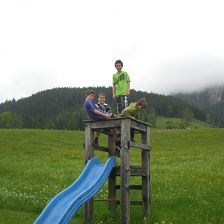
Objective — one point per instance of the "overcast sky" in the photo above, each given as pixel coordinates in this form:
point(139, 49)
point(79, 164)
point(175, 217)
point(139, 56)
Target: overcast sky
point(166, 46)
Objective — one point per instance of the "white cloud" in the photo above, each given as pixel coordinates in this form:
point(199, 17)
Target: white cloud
point(45, 44)
point(191, 74)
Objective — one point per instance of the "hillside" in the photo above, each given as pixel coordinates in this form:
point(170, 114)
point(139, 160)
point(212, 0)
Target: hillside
point(210, 100)
point(62, 108)
point(172, 123)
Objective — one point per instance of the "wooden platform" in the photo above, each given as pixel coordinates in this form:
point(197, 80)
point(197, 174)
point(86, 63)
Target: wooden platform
point(125, 170)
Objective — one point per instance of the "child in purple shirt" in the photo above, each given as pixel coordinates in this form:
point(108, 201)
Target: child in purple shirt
point(95, 113)
point(91, 109)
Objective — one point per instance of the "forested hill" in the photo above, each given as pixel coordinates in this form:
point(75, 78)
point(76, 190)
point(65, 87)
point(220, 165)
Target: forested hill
point(62, 108)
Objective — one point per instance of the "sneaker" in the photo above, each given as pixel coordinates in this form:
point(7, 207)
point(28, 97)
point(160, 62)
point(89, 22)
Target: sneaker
point(117, 152)
point(114, 116)
point(95, 142)
point(118, 142)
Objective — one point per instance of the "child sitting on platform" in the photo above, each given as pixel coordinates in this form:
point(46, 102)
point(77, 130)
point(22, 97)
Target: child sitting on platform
point(132, 111)
point(104, 107)
point(92, 111)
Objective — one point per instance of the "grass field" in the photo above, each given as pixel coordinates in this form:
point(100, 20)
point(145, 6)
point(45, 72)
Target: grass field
point(161, 122)
point(187, 175)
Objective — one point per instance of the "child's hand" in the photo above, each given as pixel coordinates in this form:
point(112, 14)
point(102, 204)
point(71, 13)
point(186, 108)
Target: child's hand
point(108, 116)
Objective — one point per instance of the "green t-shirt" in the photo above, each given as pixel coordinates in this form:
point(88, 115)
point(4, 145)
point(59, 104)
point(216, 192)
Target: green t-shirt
point(121, 80)
point(130, 111)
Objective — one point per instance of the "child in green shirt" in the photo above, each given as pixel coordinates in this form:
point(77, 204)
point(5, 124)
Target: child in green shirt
point(132, 111)
point(121, 86)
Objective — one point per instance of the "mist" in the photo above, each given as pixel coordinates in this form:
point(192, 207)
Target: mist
point(188, 75)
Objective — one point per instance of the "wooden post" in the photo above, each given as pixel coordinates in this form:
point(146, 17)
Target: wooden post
point(112, 177)
point(145, 179)
point(125, 171)
point(89, 153)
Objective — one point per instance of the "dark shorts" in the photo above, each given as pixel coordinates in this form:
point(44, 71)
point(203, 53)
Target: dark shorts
point(122, 102)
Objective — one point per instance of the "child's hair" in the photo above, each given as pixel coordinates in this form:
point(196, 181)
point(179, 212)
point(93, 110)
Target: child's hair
point(101, 94)
point(142, 102)
point(89, 92)
point(118, 62)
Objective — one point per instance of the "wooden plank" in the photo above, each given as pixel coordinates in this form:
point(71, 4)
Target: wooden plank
point(118, 202)
point(121, 118)
point(145, 179)
point(112, 119)
point(139, 126)
point(112, 177)
point(117, 121)
point(132, 202)
point(132, 187)
point(89, 153)
point(140, 145)
point(105, 124)
point(89, 212)
point(134, 171)
point(106, 132)
point(139, 121)
point(125, 172)
point(137, 171)
point(101, 148)
point(111, 145)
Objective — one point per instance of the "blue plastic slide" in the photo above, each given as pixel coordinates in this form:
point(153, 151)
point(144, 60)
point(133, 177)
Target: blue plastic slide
point(63, 206)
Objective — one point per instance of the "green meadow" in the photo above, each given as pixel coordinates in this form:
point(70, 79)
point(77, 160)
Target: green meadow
point(161, 122)
point(187, 175)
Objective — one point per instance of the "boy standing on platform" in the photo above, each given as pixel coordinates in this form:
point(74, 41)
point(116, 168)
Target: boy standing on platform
point(121, 87)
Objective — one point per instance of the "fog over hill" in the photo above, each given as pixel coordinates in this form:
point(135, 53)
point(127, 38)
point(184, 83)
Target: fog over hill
point(203, 98)
point(210, 99)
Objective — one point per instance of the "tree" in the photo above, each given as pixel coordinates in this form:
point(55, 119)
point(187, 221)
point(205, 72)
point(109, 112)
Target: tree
point(62, 108)
point(171, 125)
point(181, 124)
point(188, 114)
point(10, 120)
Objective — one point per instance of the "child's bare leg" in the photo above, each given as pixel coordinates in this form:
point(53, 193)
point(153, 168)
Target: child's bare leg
point(97, 134)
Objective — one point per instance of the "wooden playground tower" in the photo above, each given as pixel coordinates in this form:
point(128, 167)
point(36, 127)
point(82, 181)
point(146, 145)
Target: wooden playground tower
point(125, 170)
